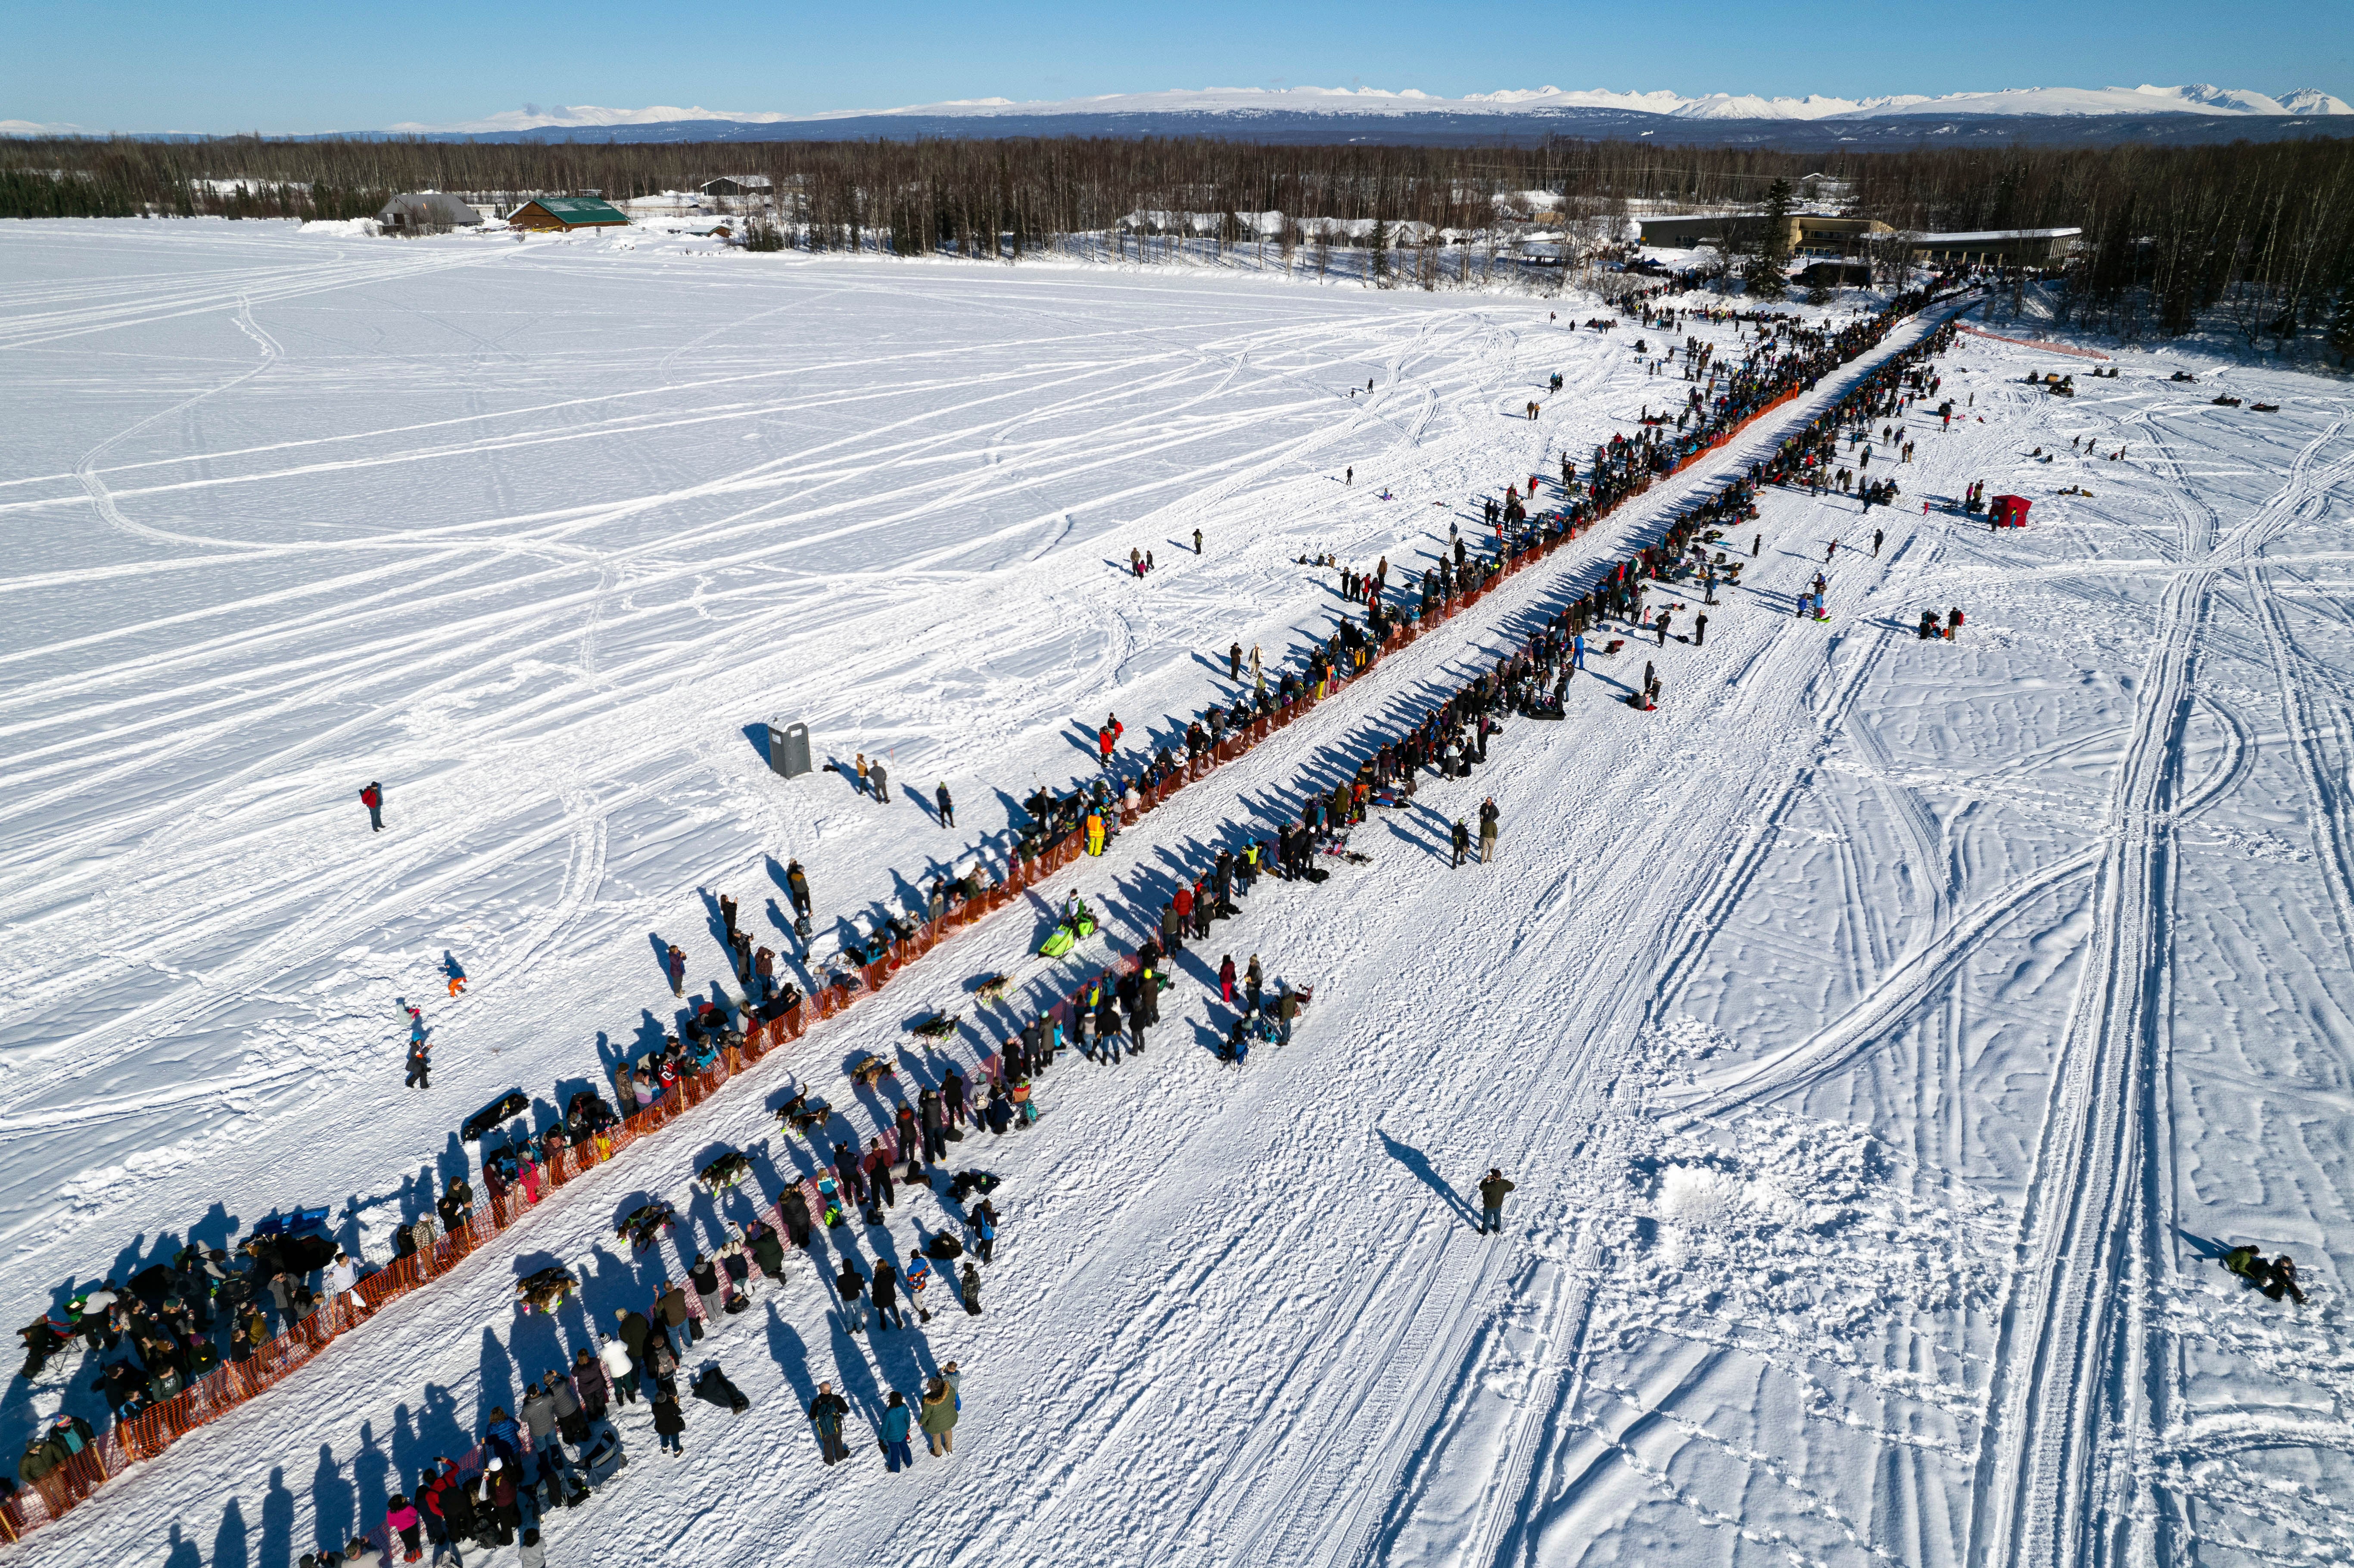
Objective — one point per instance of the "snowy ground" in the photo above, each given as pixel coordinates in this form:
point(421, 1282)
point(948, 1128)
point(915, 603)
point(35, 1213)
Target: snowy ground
point(1882, 1033)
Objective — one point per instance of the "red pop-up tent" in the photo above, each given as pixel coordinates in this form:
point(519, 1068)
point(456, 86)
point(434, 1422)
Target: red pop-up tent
point(2010, 512)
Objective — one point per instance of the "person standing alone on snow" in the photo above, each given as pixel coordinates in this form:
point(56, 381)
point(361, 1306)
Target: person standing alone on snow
point(1488, 819)
point(1491, 1202)
point(373, 799)
point(947, 806)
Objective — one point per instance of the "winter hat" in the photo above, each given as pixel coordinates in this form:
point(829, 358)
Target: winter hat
point(531, 1537)
point(497, 1463)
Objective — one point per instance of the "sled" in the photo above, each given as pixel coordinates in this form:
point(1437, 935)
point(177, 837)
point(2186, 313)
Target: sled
point(730, 1169)
point(870, 1070)
point(943, 1249)
point(713, 1387)
point(513, 1103)
point(604, 1458)
point(1317, 873)
point(300, 1222)
point(544, 1291)
point(589, 1112)
point(939, 1026)
point(2264, 407)
point(968, 1181)
point(2223, 402)
point(1302, 997)
point(644, 1225)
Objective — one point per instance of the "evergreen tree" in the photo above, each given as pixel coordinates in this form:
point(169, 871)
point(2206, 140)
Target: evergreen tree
point(1765, 273)
point(2340, 333)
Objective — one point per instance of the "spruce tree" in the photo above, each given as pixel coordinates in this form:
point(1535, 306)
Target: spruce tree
point(1765, 273)
point(2340, 333)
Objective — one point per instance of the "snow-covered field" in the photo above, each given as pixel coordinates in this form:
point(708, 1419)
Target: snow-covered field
point(1883, 1035)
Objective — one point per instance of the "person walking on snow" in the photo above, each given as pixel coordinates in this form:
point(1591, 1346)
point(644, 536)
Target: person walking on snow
point(1488, 820)
point(1234, 663)
point(1878, 535)
point(1197, 541)
point(882, 780)
point(450, 966)
point(1108, 737)
point(675, 960)
point(947, 807)
point(1491, 1202)
point(1462, 843)
point(420, 1063)
point(826, 1413)
point(1700, 629)
point(373, 799)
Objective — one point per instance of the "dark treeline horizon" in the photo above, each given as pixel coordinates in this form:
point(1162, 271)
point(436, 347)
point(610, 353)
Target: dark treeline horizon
point(2262, 231)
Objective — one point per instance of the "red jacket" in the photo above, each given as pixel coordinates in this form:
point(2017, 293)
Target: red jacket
point(1184, 901)
point(370, 798)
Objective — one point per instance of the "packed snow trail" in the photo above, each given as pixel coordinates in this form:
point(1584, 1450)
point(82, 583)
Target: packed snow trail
point(1742, 1310)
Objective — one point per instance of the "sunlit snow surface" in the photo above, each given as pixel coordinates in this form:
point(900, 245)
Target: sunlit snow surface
point(1879, 1033)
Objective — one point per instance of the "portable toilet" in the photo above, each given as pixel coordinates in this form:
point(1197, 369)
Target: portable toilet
point(2010, 512)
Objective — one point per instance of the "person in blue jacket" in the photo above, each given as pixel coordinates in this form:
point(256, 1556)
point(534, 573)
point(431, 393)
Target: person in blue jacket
point(897, 1422)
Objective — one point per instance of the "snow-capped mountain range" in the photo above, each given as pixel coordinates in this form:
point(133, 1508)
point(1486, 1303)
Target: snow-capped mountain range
point(2198, 98)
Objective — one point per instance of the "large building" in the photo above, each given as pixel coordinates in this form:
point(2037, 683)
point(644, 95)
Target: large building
point(568, 213)
point(1810, 233)
point(2003, 247)
point(426, 212)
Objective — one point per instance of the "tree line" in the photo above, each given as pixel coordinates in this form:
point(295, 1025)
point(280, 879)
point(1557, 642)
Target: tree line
point(2257, 236)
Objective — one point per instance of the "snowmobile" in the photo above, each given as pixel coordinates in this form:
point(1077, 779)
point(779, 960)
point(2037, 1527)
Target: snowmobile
point(2221, 402)
point(805, 1115)
point(2264, 407)
point(939, 1026)
point(730, 1169)
point(513, 1103)
point(870, 1070)
point(544, 1291)
point(712, 1385)
point(643, 1224)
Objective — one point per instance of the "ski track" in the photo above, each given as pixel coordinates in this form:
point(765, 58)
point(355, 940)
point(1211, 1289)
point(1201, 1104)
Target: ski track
point(1239, 1318)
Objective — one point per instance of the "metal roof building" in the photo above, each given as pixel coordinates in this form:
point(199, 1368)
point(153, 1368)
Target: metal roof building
point(568, 213)
point(427, 210)
point(2034, 247)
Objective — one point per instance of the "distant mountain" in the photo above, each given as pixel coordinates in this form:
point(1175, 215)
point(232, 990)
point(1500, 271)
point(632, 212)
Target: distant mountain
point(1360, 104)
point(2044, 116)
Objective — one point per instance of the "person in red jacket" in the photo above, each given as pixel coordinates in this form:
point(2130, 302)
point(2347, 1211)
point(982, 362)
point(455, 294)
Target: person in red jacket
point(1108, 735)
point(373, 799)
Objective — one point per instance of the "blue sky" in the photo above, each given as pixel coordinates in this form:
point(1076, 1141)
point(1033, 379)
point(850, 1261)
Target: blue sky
point(141, 64)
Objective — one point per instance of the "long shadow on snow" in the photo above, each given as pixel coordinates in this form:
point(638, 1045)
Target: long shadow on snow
point(1415, 1160)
